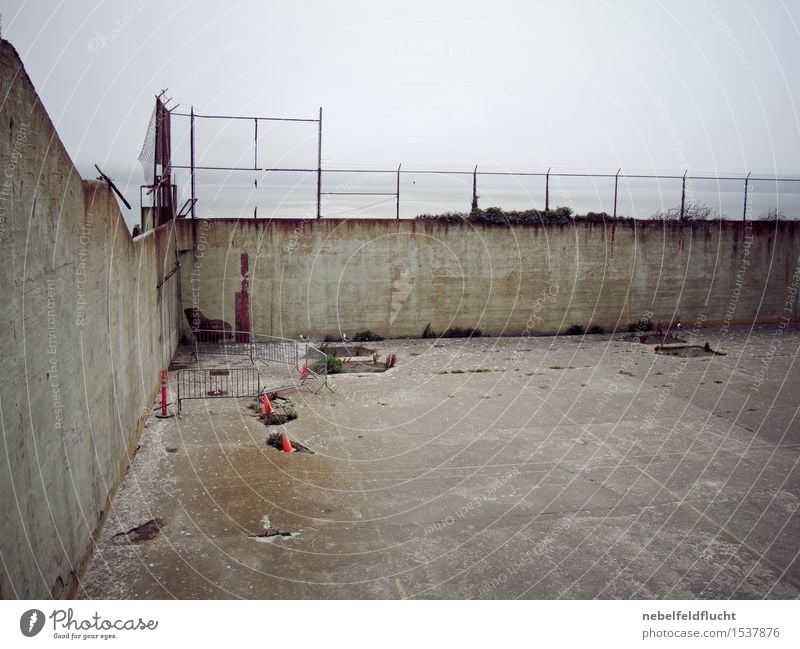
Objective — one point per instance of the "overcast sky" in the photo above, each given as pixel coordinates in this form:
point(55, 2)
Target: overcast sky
point(583, 85)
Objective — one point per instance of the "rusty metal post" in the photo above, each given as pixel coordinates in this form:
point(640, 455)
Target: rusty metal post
point(397, 206)
point(191, 156)
point(547, 190)
point(319, 166)
point(616, 187)
point(683, 195)
point(475, 189)
point(255, 152)
point(744, 207)
point(255, 163)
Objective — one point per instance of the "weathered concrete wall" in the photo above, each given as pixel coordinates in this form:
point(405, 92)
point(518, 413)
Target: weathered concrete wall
point(394, 277)
point(85, 333)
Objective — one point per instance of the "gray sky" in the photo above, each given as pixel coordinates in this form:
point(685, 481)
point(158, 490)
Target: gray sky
point(514, 85)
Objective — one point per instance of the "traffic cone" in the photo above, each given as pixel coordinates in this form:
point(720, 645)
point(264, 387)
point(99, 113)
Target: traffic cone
point(287, 445)
point(268, 409)
point(304, 372)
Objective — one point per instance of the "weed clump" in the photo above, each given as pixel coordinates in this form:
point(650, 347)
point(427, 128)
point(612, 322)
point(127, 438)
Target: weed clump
point(366, 336)
point(462, 332)
point(574, 330)
point(497, 216)
point(331, 365)
point(642, 325)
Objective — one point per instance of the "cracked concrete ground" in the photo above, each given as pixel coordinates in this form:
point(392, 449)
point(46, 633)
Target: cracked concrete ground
point(575, 468)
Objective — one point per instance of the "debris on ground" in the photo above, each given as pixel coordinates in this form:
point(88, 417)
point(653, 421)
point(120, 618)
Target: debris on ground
point(269, 530)
point(144, 532)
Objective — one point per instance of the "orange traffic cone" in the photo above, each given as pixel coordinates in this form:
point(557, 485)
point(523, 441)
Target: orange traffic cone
point(268, 409)
point(304, 372)
point(287, 445)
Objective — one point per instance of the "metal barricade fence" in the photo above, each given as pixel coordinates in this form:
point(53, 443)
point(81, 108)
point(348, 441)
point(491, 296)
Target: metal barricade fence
point(222, 342)
point(227, 383)
point(316, 366)
point(275, 350)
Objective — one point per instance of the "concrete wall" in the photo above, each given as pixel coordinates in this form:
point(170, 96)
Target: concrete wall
point(86, 331)
point(394, 277)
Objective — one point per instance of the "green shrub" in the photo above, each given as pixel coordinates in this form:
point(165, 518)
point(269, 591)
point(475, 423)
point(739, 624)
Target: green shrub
point(331, 363)
point(596, 329)
point(691, 212)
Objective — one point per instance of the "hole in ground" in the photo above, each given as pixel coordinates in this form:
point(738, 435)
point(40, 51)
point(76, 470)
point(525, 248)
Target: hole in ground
point(144, 532)
point(276, 440)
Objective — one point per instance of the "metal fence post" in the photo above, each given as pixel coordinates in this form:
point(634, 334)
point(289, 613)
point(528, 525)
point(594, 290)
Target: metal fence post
point(547, 190)
point(744, 207)
point(616, 186)
point(397, 204)
point(475, 189)
point(683, 194)
point(191, 156)
point(319, 166)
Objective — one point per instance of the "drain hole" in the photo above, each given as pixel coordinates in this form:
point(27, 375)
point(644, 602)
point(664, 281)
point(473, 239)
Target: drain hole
point(276, 440)
point(269, 530)
point(144, 532)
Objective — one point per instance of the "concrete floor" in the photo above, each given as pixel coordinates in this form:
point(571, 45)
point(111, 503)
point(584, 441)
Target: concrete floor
point(575, 468)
